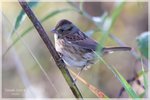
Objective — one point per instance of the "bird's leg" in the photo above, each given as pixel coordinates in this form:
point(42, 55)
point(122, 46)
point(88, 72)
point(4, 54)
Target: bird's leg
point(78, 75)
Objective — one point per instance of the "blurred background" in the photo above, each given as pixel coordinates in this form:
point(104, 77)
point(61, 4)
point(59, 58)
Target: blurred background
point(28, 70)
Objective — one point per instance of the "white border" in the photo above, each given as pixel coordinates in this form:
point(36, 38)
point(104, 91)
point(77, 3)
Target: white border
point(0, 50)
point(78, 0)
point(65, 1)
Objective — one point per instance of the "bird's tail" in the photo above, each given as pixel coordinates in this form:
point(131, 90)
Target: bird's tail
point(112, 49)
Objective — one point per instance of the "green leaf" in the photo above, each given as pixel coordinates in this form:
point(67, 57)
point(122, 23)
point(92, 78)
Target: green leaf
point(55, 12)
point(125, 84)
point(81, 5)
point(123, 81)
point(142, 95)
point(145, 78)
point(110, 21)
point(142, 41)
point(108, 24)
point(21, 17)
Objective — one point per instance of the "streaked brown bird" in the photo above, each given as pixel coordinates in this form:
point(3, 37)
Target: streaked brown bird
point(75, 48)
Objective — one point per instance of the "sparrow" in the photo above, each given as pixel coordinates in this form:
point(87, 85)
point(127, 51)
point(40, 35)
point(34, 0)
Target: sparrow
point(76, 49)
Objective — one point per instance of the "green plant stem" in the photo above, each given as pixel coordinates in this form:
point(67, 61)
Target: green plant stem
point(59, 62)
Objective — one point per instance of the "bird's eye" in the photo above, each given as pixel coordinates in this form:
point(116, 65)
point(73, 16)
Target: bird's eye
point(70, 29)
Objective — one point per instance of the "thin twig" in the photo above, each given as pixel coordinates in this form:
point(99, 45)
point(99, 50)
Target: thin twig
point(59, 62)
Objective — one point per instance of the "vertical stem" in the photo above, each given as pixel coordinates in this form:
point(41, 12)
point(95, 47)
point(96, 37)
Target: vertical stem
point(59, 62)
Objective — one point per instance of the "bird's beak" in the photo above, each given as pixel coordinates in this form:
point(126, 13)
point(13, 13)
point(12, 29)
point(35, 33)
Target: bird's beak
point(53, 31)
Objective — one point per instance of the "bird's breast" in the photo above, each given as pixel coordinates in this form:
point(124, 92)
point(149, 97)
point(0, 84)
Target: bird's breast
point(72, 54)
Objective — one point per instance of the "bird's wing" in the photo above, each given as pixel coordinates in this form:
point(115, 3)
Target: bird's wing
point(82, 41)
point(87, 44)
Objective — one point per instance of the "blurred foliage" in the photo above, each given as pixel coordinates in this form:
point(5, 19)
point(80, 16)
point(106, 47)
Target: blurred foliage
point(110, 21)
point(53, 13)
point(22, 16)
point(123, 81)
point(143, 43)
point(126, 85)
point(145, 75)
